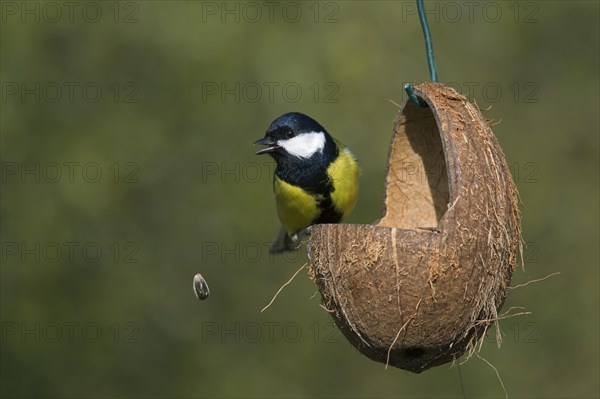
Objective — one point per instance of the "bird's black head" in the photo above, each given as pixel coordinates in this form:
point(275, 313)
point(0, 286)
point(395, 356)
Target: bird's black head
point(295, 135)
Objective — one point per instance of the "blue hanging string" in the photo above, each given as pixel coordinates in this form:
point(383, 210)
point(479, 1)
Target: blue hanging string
point(429, 50)
point(428, 43)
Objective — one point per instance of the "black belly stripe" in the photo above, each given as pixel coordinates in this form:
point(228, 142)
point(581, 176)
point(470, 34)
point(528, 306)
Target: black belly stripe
point(328, 213)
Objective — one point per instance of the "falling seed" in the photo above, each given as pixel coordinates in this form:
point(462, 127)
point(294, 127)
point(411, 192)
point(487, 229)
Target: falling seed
point(201, 287)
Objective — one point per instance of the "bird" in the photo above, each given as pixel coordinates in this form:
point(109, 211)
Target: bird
point(316, 178)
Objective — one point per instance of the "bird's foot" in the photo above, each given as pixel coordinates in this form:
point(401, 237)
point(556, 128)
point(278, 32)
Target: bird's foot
point(301, 236)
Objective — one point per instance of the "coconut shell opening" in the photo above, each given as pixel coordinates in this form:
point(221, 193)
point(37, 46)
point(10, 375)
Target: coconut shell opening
point(419, 287)
point(417, 192)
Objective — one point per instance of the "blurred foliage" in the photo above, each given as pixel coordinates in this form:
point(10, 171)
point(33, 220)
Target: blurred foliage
point(181, 191)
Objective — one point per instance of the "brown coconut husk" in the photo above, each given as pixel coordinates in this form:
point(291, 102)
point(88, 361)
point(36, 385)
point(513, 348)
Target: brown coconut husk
point(419, 287)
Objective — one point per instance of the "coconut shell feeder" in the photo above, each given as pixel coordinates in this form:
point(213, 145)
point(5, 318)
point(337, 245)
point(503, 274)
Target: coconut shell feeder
point(420, 287)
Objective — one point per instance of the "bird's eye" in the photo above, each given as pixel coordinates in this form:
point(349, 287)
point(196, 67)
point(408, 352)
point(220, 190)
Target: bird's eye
point(289, 134)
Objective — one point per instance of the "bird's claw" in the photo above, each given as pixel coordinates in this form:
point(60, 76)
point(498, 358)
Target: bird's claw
point(299, 237)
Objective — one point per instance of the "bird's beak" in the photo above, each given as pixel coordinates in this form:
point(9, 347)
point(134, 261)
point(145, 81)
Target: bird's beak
point(268, 141)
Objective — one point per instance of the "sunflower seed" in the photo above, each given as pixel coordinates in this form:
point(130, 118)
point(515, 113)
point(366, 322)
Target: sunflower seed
point(201, 287)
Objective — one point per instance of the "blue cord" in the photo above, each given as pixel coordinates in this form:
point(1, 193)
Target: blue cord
point(428, 44)
point(413, 97)
point(429, 50)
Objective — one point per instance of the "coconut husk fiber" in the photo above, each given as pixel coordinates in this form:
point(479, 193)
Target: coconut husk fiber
point(419, 287)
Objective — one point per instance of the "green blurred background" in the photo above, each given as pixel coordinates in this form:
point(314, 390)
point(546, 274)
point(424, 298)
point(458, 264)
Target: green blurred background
point(164, 100)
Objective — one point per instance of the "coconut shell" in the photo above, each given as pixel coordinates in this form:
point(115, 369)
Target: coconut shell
point(419, 287)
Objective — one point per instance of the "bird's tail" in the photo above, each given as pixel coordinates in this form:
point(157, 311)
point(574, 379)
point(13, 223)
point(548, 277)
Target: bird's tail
point(282, 242)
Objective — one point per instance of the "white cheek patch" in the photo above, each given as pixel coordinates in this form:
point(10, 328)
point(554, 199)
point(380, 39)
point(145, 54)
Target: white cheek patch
point(304, 145)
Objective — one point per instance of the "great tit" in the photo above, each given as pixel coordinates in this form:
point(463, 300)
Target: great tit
point(315, 180)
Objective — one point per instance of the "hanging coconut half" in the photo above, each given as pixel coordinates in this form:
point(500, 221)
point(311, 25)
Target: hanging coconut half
point(419, 287)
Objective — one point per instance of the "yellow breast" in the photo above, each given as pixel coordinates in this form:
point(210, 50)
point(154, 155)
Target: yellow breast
point(344, 173)
point(295, 207)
